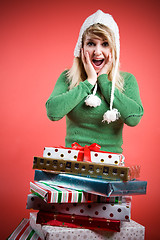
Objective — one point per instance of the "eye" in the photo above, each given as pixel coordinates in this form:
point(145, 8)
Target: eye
point(90, 43)
point(105, 44)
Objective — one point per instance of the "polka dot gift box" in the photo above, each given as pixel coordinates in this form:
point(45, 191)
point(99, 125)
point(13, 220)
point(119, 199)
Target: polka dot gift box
point(108, 210)
point(78, 153)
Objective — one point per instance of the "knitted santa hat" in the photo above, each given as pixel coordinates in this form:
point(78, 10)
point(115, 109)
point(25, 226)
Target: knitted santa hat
point(107, 20)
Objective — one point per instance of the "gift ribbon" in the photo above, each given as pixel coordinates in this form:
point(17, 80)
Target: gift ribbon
point(85, 152)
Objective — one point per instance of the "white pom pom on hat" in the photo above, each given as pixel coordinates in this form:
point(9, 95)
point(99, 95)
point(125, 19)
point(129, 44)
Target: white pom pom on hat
point(111, 115)
point(92, 100)
point(107, 20)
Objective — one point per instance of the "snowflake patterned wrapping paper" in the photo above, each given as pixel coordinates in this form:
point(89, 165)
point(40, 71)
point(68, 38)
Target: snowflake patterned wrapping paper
point(55, 194)
point(101, 187)
point(115, 210)
point(24, 232)
point(76, 221)
point(129, 231)
point(72, 154)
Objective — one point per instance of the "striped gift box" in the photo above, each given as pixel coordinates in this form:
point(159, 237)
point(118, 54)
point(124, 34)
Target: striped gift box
point(24, 232)
point(55, 194)
point(37, 203)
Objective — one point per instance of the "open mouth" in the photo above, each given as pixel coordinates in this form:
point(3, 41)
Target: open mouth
point(97, 62)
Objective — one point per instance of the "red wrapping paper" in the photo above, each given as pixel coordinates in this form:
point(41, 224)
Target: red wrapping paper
point(85, 151)
point(76, 221)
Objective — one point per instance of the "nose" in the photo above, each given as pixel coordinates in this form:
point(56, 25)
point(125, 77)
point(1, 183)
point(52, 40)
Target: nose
point(97, 50)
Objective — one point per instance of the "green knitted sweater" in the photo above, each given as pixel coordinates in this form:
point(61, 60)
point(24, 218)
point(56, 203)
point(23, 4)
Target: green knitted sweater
point(84, 124)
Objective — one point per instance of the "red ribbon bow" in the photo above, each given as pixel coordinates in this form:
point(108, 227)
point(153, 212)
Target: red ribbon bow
point(85, 152)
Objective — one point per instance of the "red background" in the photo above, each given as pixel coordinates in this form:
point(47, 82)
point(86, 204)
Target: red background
point(36, 44)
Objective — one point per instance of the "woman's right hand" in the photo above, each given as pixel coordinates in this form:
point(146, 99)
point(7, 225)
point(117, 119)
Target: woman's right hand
point(90, 71)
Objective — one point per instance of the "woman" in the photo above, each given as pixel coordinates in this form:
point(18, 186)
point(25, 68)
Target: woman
point(96, 98)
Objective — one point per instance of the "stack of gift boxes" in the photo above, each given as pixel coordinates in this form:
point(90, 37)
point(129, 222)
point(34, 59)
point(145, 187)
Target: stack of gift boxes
point(83, 193)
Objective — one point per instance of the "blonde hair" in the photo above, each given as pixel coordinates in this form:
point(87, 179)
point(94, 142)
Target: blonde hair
point(77, 73)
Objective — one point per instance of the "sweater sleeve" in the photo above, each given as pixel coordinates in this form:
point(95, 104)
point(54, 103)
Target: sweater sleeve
point(127, 102)
point(62, 100)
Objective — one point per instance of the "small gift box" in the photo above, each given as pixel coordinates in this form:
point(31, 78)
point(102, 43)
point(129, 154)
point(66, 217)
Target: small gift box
point(24, 231)
point(129, 230)
point(75, 221)
point(87, 153)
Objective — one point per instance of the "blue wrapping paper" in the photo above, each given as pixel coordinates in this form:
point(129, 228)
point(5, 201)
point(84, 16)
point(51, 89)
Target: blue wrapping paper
point(96, 186)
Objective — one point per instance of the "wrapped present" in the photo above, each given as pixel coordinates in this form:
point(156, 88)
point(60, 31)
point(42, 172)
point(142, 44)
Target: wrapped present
point(101, 187)
point(87, 153)
point(56, 194)
point(96, 210)
point(24, 231)
point(75, 221)
point(129, 230)
point(116, 211)
point(96, 170)
point(37, 203)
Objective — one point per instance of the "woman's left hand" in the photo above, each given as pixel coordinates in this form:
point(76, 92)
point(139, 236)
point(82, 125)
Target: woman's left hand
point(107, 66)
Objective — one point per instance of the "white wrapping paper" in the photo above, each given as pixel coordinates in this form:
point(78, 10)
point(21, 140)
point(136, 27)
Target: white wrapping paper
point(72, 154)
